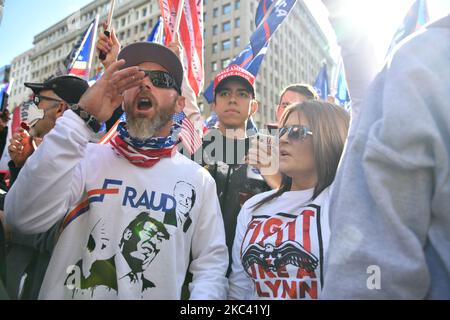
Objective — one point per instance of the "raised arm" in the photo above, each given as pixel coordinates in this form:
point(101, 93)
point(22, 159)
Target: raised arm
point(53, 178)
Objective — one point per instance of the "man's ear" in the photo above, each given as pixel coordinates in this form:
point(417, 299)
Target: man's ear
point(62, 106)
point(181, 103)
point(253, 107)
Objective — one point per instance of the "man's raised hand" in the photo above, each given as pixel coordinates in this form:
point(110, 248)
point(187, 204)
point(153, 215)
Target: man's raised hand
point(107, 93)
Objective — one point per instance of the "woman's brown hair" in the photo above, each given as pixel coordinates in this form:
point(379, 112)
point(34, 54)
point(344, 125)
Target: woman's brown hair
point(329, 124)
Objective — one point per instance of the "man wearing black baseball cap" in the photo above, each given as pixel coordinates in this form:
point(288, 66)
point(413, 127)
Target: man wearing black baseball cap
point(100, 190)
point(51, 99)
point(25, 256)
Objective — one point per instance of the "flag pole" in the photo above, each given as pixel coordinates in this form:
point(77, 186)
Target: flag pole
point(178, 19)
point(107, 31)
point(94, 41)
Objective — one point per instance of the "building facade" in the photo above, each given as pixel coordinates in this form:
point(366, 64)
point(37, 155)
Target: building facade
point(132, 21)
point(295, 54)
point(20, 73)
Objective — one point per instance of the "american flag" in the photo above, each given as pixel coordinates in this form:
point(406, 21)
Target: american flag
point(269, 16)
point(189, 136)
point(191, 37)
point(80, 58)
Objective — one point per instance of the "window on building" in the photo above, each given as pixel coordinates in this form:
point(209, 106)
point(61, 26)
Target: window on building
point(225, 63)
point(215, 47)
point(143, 26)
point(214, 66)
point(237, 41)
point(237, 4)
point(226, 8)
point(215, 29)
point(226, 26)
point(144, 12)
point(215, 12)
point(123, 21)
point(226, 45)
point(136, 29)
point(237, 23)
point(137, 15)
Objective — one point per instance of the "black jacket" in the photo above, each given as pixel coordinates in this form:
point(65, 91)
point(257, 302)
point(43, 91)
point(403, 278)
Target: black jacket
point(230, 174)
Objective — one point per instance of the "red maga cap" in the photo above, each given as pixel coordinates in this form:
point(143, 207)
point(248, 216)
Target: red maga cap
point(235, 71)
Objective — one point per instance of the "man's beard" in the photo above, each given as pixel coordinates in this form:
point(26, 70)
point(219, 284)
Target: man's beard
point(143, 128)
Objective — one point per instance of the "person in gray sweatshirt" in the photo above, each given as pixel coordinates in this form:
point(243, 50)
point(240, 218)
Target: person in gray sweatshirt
point(390, 206)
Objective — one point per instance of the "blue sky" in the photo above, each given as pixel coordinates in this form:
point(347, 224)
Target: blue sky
point(23, 19)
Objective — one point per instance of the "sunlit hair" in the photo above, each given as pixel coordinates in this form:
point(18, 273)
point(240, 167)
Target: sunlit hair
point(301, 88)
point(329, 124)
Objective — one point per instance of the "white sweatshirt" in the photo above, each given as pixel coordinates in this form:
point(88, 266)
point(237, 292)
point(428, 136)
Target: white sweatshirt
point(128, 232)
point(279, 248)
point(389, 211)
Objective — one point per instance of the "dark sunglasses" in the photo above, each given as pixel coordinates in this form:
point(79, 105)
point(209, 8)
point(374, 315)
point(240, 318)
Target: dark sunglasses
point(296, 132)
point(162, 79)
point(38, 98)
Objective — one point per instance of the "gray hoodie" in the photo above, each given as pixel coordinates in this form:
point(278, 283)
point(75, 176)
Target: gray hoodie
point(390, 207)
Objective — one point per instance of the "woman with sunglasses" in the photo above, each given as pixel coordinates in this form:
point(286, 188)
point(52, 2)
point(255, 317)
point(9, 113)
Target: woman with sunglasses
point(282, 235)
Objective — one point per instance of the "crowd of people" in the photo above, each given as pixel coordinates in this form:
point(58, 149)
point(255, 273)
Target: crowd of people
point(302, 213)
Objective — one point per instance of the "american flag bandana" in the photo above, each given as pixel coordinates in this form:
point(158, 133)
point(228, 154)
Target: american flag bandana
point(144, 153)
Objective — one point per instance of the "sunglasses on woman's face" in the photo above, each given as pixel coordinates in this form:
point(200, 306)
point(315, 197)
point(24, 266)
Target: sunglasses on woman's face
point(296, 132)
point(161, 79)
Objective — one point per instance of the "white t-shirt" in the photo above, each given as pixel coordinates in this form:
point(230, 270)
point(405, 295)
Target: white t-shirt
point(128, 232)
point(279, 248)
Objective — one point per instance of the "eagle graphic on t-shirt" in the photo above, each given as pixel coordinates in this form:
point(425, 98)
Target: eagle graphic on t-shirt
point(271, 257)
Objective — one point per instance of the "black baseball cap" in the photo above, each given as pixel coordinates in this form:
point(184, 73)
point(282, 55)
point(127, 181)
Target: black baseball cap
point(68, 88)
point(140, 52)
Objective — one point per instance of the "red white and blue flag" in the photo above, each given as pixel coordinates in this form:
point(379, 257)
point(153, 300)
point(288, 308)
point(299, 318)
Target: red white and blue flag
point(191, 37)
point(79, 60)
point(188, 135)
point(269, 16)
point(157, 33)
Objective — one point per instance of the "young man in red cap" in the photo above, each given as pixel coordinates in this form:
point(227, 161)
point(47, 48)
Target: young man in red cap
point(225, 149)
point(120, 238)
